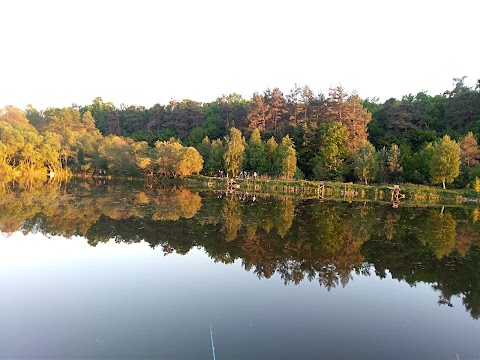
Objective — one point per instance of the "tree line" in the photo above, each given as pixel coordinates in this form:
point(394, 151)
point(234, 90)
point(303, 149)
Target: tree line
point(418, 139)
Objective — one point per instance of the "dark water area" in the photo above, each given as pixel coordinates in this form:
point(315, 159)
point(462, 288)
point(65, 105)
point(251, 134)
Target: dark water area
point(120, 271)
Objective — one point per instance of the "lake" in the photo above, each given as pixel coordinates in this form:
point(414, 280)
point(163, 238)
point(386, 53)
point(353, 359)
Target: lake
point(93, 270)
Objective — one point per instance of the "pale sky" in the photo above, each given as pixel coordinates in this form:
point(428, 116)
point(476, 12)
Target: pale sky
point(140, 52)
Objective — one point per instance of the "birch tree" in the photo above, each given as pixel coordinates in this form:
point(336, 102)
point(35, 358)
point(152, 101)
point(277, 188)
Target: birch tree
point(365, 161)
point(445, 161)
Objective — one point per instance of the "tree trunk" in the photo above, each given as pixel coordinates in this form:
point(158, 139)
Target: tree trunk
point(443, 182)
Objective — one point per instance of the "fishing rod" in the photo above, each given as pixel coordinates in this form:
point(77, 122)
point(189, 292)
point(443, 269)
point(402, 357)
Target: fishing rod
point(211, 337)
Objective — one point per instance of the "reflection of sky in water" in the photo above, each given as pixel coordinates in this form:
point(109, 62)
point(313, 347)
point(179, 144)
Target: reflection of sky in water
point(63, 298)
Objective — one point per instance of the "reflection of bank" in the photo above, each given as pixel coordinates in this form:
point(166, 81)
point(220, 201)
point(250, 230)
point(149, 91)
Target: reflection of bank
point(396, 195)
point(242, 195)
point(232, 185)
point(320, 190)
point(349, 192)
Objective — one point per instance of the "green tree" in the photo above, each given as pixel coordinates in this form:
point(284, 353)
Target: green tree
point(11, 142)
point(35, 117)
point(233, 112)
point(332, 150)
point(365, 161)
point(286, 158)
point(416, 165)
point(389, 164)
point(235, 153)
point(50, 151)
point(216, 160)
point(214, 125)
point(256, 154)
point(271, 148)
point(445, 161)
point(462, 108)
point(67, 124)
point(205, 150)
point(477, 185)
point(204, 147)
point(101, 112)
point(31, 159)
point(393, 162)
point(382, 172)
point(116, 153)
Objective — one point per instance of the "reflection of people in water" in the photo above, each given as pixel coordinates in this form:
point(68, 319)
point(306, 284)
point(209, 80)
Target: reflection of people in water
point(243, 196)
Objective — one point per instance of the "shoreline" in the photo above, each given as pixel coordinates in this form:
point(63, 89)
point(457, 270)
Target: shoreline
point(303, 189)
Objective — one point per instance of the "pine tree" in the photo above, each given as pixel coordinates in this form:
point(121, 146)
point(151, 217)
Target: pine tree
point(469, 150)
point(257, 113)
point(349, 111)
point(276, 118)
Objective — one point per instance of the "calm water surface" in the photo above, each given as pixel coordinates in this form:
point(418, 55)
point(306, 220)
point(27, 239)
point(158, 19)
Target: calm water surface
point(116, 272)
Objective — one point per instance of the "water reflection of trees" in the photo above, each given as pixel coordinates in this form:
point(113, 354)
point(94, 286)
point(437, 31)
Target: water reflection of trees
point(432, 246)
point(297, 240)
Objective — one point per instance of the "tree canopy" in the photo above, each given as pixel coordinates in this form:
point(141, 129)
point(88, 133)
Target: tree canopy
point(326, 132)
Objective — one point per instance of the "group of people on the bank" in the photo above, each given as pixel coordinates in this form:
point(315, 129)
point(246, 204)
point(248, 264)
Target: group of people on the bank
point(242, 175)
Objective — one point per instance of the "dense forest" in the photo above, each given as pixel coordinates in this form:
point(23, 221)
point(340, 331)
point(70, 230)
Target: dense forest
point(420, 138)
